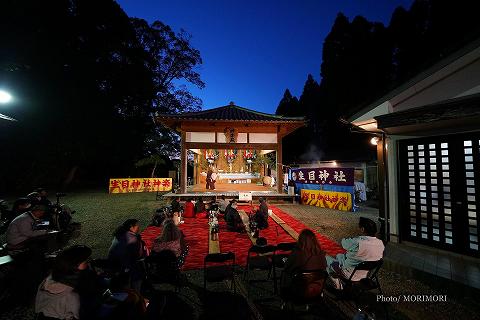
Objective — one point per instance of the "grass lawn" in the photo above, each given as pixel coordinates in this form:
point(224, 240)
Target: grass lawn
point(101, 213)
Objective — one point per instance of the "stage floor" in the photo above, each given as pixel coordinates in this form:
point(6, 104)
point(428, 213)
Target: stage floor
point(232, 187)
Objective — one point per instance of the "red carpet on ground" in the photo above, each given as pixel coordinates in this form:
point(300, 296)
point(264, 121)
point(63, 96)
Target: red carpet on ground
point(196, 236)
point(330, 247)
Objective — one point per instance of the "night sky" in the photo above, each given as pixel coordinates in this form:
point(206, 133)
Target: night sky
point(253, 50)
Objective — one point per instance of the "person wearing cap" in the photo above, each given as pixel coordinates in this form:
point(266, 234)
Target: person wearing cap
point(43, 193)
point(22, 230)
point(365, 247)
point(261, 216)
point(57, 296)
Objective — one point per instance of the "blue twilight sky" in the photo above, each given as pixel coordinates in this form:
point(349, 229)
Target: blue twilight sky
point(253, 50)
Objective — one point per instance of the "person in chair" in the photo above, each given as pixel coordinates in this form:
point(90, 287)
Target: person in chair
point(365, 247)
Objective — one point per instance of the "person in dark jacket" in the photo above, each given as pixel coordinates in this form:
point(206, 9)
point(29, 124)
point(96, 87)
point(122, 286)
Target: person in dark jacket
point(176, 207)
point(261, 216)
point(232, 217)
point(200, 209)
point(127, 249)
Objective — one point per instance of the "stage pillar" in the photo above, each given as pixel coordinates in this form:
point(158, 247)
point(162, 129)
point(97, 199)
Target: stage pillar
point(183, 164)
point(279, 164)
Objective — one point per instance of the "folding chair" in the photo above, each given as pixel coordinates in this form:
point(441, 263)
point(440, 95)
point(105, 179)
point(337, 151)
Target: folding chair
point(162, 267)
point(306, 287)
point(282, 251)
point(370, 282)
point(365, 284)
point(259, 259)
point(221, 270)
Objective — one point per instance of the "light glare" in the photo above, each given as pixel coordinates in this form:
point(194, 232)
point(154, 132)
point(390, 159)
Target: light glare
point(5, 97)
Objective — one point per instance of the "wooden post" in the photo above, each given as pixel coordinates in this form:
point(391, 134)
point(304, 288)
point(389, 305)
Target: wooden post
point(279, 164)
point(195, 163)
point(183, 164)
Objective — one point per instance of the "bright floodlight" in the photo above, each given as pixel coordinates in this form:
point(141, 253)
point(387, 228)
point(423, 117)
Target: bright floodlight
point(374, 141)
point(5, 97)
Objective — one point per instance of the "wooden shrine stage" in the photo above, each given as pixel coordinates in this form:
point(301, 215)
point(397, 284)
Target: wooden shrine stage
point(231, 191)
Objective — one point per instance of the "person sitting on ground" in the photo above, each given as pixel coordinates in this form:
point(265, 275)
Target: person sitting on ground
point(306, 256)
point(171, 238)
point(176, 207)
point(222, 204)
point(56, 295)
point(189, 211)
point(365, 247)
point(200, 210)
point(233, 219)
point(261, 216)
point(126, 249)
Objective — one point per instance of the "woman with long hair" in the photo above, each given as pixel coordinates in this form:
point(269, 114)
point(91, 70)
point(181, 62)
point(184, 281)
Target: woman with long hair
point(127, 249)
point(171, 238)
point(308, 255)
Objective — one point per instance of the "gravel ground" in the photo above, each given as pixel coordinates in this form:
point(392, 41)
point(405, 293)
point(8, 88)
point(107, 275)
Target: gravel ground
point(337, 225)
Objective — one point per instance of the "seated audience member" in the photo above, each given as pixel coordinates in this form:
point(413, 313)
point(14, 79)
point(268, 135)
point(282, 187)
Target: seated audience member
point(20, 206)
point(24, 230)
point(43, 196)
point(126, 249)
point(200, 210)
point(365, 247)
point(189, 211)
point(261, 216)
point(306, 256)
point(27, 244)
point(176, 207)
point(222, 204)
point(233, 219)
point(56, 296)
point(171, 238)
point(34, 197)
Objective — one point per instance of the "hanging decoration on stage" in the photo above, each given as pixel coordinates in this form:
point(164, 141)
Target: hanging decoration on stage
point(211, 155)
point(231, 135)
point(327, 199)
point(249, 155)
point(331, 176)
point(230, 155)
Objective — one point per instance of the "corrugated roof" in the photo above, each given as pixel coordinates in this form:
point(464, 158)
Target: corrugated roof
point(231, 112)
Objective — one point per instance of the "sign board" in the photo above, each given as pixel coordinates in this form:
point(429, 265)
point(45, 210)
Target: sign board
point(327, 199)
point(331, 176)
point(126, 185)
point(245, 196)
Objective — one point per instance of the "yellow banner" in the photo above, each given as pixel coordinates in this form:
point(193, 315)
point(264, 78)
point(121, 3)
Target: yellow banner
point(126, 185)
point(327, 199)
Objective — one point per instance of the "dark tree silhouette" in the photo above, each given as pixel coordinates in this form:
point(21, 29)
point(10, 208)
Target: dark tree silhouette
point(87, 85)
point(288, 106)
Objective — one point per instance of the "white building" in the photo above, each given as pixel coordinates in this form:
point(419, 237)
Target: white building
point(431, 138)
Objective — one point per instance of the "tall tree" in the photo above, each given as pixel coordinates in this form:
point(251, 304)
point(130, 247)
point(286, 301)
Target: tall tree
point(288, 106)
point(87, 87)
